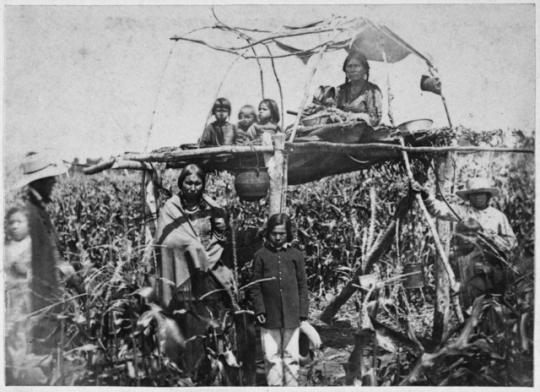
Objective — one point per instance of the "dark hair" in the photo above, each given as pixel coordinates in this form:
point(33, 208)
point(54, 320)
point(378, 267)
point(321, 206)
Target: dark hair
point(189, 170)
point(357, 56)
point(488, 197)
point(247, 107)
point(221, 103)
point(14, 210)
point(273, 107)
point(277, 220)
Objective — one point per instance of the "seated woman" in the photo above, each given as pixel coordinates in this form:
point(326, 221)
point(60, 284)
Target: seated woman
point(358, 99)
point(190, 240)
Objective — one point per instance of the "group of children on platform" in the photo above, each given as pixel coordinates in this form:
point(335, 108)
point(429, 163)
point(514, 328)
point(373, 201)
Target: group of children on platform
point(251, 126)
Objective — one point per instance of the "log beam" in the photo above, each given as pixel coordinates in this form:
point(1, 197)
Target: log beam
point(382, 245)
point(291, 148)
point(307, 148)
point(276, 170)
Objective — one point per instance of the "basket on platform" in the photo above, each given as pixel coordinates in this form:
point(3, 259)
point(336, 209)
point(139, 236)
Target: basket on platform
point(315, 119)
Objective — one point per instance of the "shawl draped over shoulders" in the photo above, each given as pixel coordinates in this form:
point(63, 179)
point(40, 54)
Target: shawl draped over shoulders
point(183, 247)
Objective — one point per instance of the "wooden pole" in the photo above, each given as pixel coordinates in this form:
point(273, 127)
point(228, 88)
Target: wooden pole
point(381, 246)
point(389, 91)
point(305, 148)
point(129, 161)
point(276, 173)
point(307, 90)
point(444, 166)
point(454, 285)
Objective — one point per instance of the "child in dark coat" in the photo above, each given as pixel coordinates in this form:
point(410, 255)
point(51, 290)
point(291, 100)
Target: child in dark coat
point(281, 303)
point(221, 132)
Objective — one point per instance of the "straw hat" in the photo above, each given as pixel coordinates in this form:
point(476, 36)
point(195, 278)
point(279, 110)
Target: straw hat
point(38, 166)
point(478, 185)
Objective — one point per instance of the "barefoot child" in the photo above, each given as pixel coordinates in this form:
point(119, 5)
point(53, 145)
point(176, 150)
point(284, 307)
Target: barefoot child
point(220, 132)
point(268, 120)
point(281, 303)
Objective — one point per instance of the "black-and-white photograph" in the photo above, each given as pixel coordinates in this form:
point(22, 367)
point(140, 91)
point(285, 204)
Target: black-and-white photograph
point(269, 195)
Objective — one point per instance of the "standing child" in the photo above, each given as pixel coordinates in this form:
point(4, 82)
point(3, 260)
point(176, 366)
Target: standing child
point(220, 132)
point(17, 263)
point(268, 120)
point(18, 260)
point(281, 301)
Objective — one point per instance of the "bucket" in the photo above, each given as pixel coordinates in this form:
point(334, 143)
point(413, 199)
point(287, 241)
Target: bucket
point(252, 184)
point(416, 279)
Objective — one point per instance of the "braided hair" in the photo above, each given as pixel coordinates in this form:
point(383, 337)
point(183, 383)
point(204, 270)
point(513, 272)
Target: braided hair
point(361, 58)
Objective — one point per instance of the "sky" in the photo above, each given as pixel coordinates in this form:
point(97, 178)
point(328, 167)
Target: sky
point(96, 81)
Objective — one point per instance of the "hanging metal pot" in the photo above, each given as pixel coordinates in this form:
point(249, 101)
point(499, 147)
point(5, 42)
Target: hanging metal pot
point(252, 184)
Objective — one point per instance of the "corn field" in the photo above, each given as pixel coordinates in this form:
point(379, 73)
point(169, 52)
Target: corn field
point(113, 334)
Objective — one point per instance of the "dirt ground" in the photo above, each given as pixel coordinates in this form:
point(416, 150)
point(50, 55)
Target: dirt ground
point(326, 367)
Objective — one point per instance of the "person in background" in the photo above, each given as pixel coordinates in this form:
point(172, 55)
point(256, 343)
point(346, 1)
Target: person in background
point(17, 261)
point(477, 194)
point(37, 270)
point(358, 99)
point(280, 300)
point(267, 122)
point(323, 99)
point(221, 132)
point(480, 268)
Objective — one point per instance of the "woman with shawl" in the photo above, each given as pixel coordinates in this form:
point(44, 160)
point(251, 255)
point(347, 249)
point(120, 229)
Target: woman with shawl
point(190, 240)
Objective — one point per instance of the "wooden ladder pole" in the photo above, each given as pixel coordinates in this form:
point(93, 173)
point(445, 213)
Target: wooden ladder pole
point(275, 170)
point(306, 90)
point(454, 285)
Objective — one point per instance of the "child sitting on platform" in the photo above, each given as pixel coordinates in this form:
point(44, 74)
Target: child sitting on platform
point(324, 98)
point(246, 118)
point(268, 121)
point(221, 132)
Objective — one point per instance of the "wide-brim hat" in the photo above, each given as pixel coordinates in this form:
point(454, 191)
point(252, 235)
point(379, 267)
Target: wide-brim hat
point(38, 166)
point(478, 185)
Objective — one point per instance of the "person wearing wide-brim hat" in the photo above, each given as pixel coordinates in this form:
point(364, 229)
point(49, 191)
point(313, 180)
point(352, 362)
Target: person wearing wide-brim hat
point(479, 272)
point(48, 267)
point(478, 193)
